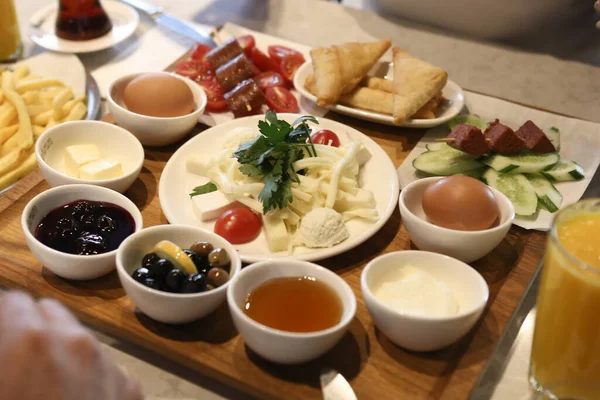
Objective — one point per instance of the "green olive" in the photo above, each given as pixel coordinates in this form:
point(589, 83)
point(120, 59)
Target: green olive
point(218, 258)
point(201, 248)
point(217, 277)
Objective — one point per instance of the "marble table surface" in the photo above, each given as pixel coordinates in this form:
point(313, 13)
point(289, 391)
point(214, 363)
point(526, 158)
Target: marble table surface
point(561, 74)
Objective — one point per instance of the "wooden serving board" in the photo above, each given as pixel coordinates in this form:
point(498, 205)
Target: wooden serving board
point(375, 367)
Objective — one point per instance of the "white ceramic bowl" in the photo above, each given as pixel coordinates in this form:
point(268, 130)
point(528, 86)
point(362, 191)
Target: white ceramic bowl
point(72, 266)
point(422, 333)
point(154, 131)
point(171, 308)
point(114, 142)
point(280, 346)
point(467, 246)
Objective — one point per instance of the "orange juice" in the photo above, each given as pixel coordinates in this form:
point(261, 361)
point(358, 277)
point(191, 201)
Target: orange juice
point(566, 346)
point(10, 38)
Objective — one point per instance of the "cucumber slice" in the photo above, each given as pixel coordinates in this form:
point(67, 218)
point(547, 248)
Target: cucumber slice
point(516, 187)
point(438, 146)
point(476, 173)
point(553, 134)
point(522, 163)
point(549, 198)
point(445, 162)
point(563, 171)
point(468, 119)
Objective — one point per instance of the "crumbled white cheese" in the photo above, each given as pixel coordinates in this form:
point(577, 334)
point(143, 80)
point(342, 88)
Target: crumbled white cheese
point(322, 227)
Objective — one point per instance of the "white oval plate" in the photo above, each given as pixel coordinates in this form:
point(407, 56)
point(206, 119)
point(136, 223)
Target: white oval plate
point(124, 21)
point(378, 175)
point(454, 100)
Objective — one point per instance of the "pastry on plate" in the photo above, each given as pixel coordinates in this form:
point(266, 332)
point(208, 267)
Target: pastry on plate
point(416, 82)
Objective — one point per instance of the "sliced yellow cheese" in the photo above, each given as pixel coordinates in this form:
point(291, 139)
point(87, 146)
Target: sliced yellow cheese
point(175, 254)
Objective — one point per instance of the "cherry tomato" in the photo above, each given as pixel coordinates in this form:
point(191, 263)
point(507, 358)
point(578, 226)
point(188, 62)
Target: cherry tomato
point(247, 43)
point(240, 225)
point(289, 66)
point(197, 70)
point(262, 61)
point(214, 94)
point(281, 100)
point(326, 137)
point(278, 53)
point(200, 50)
point(269, 79)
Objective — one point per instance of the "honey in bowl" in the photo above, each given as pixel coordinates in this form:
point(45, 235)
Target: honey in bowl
point(294, 304)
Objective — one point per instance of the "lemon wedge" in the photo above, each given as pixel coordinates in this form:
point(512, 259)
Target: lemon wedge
point(175, 254)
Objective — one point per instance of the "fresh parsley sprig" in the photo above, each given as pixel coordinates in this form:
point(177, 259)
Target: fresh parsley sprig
point(203, 189)
point(271, 156)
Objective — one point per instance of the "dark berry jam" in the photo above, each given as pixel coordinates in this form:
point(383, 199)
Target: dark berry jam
point(85, 227)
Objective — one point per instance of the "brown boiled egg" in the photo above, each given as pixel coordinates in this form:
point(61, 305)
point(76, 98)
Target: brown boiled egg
point(462, 203)
point(158, 95)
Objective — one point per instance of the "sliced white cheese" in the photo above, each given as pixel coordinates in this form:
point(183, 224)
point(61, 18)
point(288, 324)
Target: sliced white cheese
point(198, 165)
point(362, 199)
point(276, 233)
point(101, 169)
point(210, 206)
point(78, 155)
point(363, 155)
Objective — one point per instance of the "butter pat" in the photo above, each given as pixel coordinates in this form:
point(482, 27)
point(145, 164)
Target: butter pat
point(414, 291)
point(101, 169)
point(78, 155)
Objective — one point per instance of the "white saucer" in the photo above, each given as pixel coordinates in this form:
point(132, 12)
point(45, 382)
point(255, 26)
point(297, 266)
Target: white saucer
point(124, 20)
point(454, 100)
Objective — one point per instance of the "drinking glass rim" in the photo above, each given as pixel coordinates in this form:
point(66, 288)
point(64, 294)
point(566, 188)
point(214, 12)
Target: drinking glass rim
point(554, 235)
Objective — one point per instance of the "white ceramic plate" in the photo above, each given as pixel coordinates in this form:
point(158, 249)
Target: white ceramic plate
point(453, 103)
point(124, 21)
point(378, 175)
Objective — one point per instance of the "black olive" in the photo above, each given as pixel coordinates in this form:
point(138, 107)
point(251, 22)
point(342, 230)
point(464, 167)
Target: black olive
point(152, 283)
point(64, 223)
point(194, 283)
point(161, 268)
point(219, 258)
point(89, 244)
point(174, 280)
point(141, 274)
point(81, 208)
point(217, 277)
point(87, 221)
point(149, 260)
point(200, 262)
point(106, 223)
point(201, 248)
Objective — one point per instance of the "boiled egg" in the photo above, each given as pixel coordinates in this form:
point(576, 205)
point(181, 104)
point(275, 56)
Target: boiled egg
point(158, 95)
point(462, 203)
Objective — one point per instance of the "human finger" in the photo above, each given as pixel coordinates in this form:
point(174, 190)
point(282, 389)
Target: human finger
point(19, 318)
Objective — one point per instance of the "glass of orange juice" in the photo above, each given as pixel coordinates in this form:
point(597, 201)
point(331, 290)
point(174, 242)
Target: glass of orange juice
point(10, 38)
point(565, 357)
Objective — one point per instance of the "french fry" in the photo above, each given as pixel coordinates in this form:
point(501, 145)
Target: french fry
point(21, 71)
point(43, 118)
point(1, 96)
point(26, 167)
point(25, 131)
point(66, 109)
point(11, 144)
point(10, 160)
point(7, 115)
point(78, 112)
point(31, 97)
point(37, 131)
point(27, 85)
point(51, 123)
point(8, 81)
point(30, 78)
point(49, 94)
point(36, 109)
point(60, 100)
point(8, 132)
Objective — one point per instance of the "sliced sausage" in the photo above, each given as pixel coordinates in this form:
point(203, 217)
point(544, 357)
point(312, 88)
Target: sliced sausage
point(245, 99)
point(535, 139)
point(225, 52)
point(239, 69)
point(503, 140)
point(469, 139)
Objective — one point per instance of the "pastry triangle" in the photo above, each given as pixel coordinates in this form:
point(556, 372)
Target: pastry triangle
point(326, 69)
point(357, 59)
point(415, 83)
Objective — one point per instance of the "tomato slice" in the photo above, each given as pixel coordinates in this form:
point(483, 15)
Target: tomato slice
point(262, 61)
point(289, 66)
point(247, 43)
point(240, 225)
point(281, 100)
point(269, 79)
point(197, 70)
point(214, 94)
point(200, 50)
point(326, 137)
point(278, 53)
